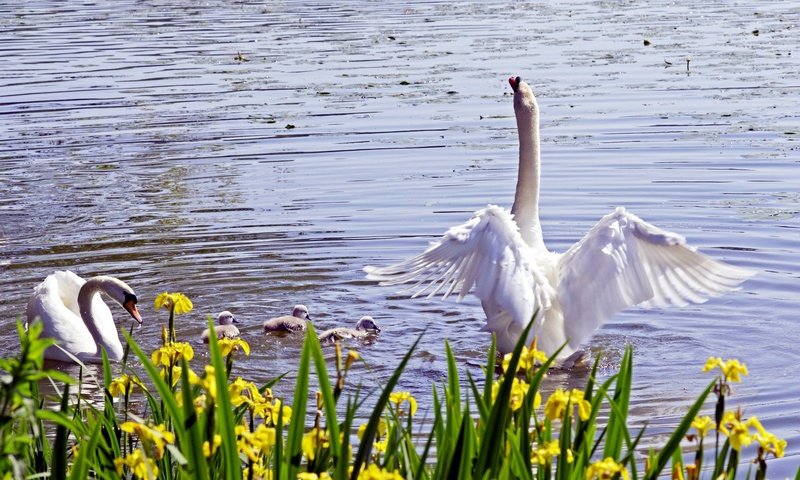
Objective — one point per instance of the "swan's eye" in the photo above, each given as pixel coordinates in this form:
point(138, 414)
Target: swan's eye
point(130, 297)
point(518, 79)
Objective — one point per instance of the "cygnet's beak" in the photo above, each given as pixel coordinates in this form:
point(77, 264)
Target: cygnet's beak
point(233, 319)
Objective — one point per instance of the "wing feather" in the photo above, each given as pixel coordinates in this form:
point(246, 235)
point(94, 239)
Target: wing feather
point(486, 254)
point(625, 261)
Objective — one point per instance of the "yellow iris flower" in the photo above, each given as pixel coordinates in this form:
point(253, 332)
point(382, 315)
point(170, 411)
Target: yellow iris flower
point(544, 453)
point(123, 385)
point(606, 469)
point(228, 345)
point(703, 425)
point(157, 436)
point(312, 441)
point(264, 437)
point(529, 358)
point(140, 465)
point(209, 448)
point(556, 405)
point(171, 353)
point(519, 388)
point(732, 369)
point(379, 445)
point(768, 441)
point(242, 391)
point(374, 472)
point(208, 383)
point(177, 302)
point(260, 472)
point(381, 429)
point(737, 431)
point(398, 398)
point(313, 476)
point(352, 357)
point(276, 409)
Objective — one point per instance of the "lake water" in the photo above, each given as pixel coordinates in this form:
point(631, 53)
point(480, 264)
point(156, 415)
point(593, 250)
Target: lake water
point(135, 143)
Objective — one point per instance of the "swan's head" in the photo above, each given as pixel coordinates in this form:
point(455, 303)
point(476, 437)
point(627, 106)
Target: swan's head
point(226, 318)
point(300, 311)
point(523, 95)
point(367, 323)
point(122, 294)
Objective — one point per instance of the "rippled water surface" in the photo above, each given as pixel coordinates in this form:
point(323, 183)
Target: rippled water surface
point(136, 143)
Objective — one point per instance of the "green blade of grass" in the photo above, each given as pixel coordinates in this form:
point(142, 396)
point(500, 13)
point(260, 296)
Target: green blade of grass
point(464, 450)
point(172, 410)
point(368, 438)
point(80, 468)
point(584, 430)
point(231, 465)
point(340, 472)
point(328, 402)
point(294, 452)
point(618, 418)
point(453, 384)
point(675, 440)
point(519, 466)
point(58, 460)
point(198, 467)
point(492, 436)
point(164, 391)
point(490, 366)
point(483, 410)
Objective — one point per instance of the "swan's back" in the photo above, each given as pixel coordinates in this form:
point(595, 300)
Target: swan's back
point(340, 333)
point(222, 331)
point(55, 304)
point(285, 324)
point(56, 295)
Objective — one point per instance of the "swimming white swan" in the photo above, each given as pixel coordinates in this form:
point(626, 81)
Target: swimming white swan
point(73, 313)
point(500, 255)
point(225, 329)
point(364, 327)
point(296, 322)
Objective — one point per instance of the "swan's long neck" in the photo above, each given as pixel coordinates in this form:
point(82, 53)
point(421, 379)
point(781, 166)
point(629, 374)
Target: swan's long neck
point(103, 329)
point(526, 199)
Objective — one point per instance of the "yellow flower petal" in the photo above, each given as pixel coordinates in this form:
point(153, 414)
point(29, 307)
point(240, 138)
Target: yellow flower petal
point(703, 425)
point(398, 398)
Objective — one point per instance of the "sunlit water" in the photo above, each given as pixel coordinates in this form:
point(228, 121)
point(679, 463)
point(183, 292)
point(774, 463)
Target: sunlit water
point(136, 144)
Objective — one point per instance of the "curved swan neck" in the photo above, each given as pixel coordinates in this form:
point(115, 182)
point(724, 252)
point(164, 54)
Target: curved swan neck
point(526, 199)
point(104, 333)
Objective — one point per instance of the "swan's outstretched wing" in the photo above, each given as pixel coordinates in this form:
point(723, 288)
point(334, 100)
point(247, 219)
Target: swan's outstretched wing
point(625, 261)
point(486, 253)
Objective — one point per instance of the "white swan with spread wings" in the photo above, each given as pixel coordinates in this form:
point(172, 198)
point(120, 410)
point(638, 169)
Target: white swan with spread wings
point(501, 256)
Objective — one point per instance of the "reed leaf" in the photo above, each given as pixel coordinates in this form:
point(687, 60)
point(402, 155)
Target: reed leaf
point(193, 449)
point(328, 401)
point(489, 455)
point(618, 418)
point(294, 452)
point(368, 438)
point(231, 465)
point(80, 468)
point(520, 464)
point(58, 460)
point(677, 436)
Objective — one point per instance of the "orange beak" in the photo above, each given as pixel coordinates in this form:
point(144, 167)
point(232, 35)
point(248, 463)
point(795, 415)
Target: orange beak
point(130, 306)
